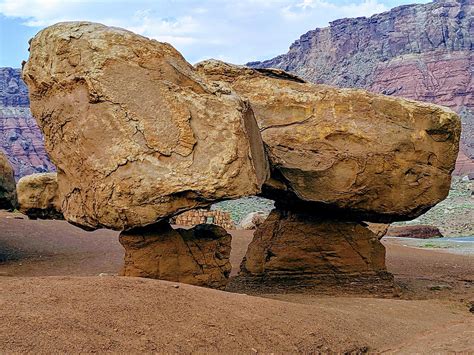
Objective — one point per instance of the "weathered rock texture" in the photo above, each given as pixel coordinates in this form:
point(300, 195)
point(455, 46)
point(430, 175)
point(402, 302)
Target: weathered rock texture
point(371, 156)
point(136, 133)
point(197, 256)
point(8, 198)
point(379, 229)
point(20, 136)
point(421, 52)
point(296, 249)
point(419, 231)
point(38, 196)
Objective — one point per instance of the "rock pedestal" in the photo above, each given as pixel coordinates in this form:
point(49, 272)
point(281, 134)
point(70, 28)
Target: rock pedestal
point(296, 250)
point(8, 199)
point(197, 256)
point(38, 196)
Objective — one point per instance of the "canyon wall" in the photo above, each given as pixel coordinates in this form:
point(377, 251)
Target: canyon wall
point(423, 52)
point(20, 136)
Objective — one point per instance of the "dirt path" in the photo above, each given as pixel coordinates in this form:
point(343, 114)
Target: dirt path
point(97, 314)
point(83, 312)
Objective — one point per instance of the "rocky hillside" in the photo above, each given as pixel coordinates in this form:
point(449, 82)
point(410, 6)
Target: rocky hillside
point(422, 52)
point(20, 136)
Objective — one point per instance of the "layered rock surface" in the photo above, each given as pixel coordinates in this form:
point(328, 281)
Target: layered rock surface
point(419, 231)
point(38, 196)
point(345, 151)
point(20, 136)
point(8, 199)
point(295, 249)
point(197, 256)
point(122, 163)
point(421, 52)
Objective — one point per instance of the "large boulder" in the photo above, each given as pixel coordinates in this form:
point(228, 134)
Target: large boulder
point(347, 152)
point(38, 196)
point(8, 199)
point(292, 249)
point(136, 133)
point(197, 256)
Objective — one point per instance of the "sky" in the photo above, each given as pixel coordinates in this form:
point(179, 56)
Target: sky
point(236, 31)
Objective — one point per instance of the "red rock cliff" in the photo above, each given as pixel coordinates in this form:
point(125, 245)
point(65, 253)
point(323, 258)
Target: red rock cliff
point(20, 136)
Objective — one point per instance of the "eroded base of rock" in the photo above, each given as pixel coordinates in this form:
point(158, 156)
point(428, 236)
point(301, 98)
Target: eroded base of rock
point(292, 250)
point(197, 256)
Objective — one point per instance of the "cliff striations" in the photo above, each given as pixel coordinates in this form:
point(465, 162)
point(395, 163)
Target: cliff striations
point(20, 136)
point(423, 52)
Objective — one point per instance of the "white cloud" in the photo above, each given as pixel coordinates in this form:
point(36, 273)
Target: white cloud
point(178, 31)
point(311, 8)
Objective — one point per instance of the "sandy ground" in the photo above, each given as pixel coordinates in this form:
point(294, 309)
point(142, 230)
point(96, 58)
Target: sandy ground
point(53, 299)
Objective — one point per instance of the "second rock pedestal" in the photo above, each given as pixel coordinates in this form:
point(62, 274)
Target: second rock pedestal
point(291, 249)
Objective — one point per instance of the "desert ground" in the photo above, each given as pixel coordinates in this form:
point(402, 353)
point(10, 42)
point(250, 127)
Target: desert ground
point(59, 292)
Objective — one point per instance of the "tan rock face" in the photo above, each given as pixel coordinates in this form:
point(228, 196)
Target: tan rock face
point(379, 229)
point(136, 133)
point(348, 151)
point(197, 256)
point(8, 199)
point(290, 246)
point(38, 196)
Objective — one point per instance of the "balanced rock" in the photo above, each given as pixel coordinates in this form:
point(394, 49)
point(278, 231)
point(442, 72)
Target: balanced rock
point(197, 256)
point(8, 199)
point(292, 249)
point(38, 196)
point(136, 133)
point(346, 151)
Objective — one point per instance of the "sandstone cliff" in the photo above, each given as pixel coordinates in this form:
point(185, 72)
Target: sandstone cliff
point(422, 52)
point(20, 136)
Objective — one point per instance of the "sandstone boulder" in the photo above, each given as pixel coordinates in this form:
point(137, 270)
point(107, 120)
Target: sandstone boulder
point(379, 229)
point(253, 220)
point(291, 248)
point(8, 199)
point(136, 133)
point(197, 256)
point(346, 151)
point(419, 231)
point(38, 196)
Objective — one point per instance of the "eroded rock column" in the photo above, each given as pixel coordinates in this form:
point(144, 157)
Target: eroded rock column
point(294, 249)
point(197, 256)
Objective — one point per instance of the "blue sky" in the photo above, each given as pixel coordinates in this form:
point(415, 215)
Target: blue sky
point(235, 31)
